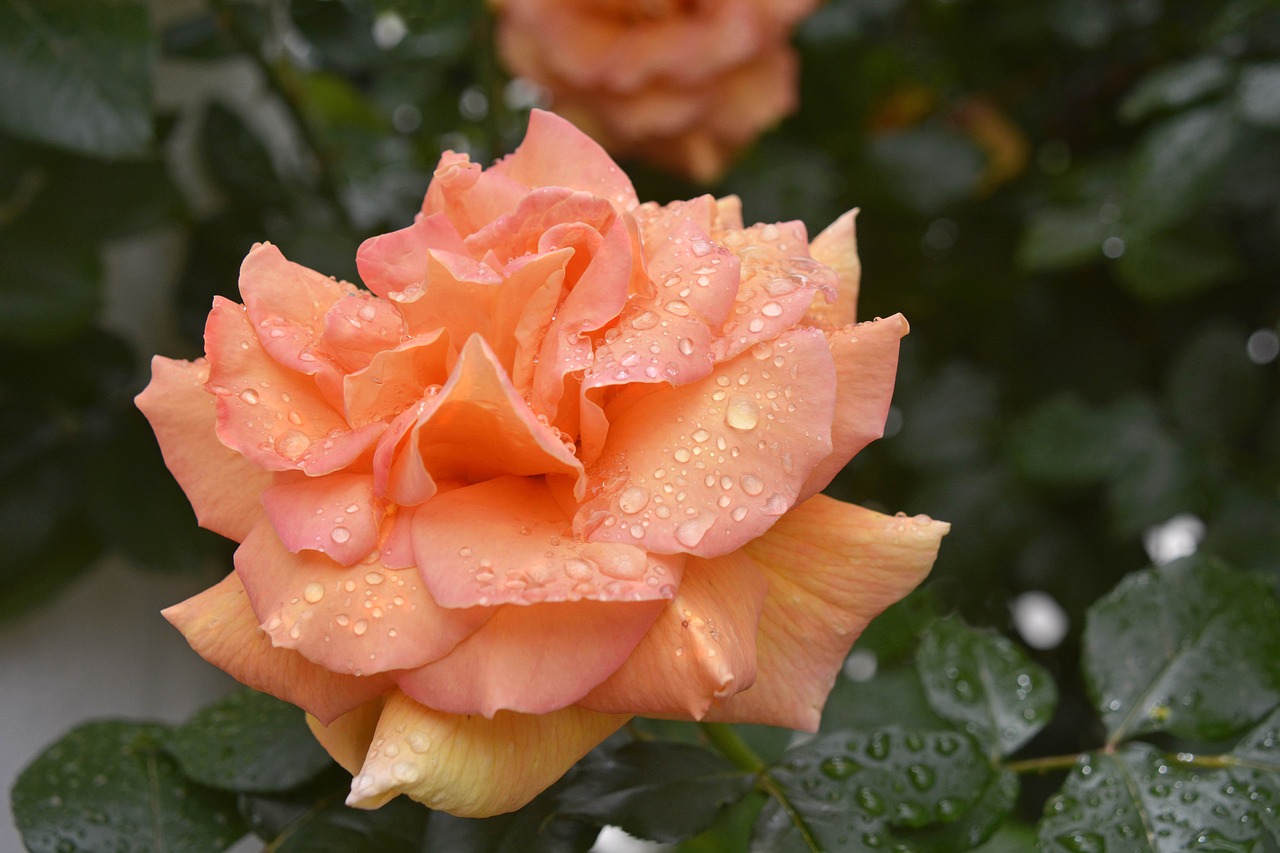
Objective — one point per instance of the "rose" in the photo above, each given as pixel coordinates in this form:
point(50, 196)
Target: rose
point(560, 467)
point(681, 84)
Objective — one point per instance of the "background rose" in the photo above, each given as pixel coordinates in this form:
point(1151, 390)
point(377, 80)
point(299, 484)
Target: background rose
point(682, 84)
point(560, 467)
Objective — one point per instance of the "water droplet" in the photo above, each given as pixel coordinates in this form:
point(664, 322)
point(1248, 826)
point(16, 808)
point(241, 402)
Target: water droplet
point(313, 592)
point(633, 500)
point(374, 578)
point(776, 505)
point(644, 321)
point(742, 413)
point(250, 396)
point(292, 444)
point(678, 307)
point(579, 569)
point(340, 535)
point(921, 777)
point(360, 627)
point(839, 767)
point(686, 346)
point(771, 309)
point(682, 454)
point(690, 533)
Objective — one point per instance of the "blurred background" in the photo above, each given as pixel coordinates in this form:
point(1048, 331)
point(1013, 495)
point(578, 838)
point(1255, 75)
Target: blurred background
point(1076, 203)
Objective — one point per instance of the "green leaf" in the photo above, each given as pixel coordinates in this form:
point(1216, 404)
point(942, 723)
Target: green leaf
point(732, 831)
point(1175, 265)
point(1138, 801)
point(656, 790)
point(1175, 87)
point(1176, 167)
point(237, 160)
point(1191, 648)
point(977, 824)
point(1058, 238)
point(108, 786)
point(854, 791)
point(986, 684)
point(1258, 95)
point(539, 827)
point(927, 167)
point(1215, 393)
point(248, 741)
point(893, 696)
point(77, 75)
point(1063, 441)
point(49, 290)
point(396, 827)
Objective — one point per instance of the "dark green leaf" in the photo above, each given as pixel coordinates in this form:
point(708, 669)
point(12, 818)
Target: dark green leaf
point(732, 831)
point(1172, 266)
point(70, 551)
point(237, 159)
point(1258, 95)
point(928, 167)
point(1175, 169)
point(1060, 238)
point(1200, 652)
point(851, 791)
point(893, 696)
point(1065, 442)
point(247, 742)
point(48, 290)
point(539, 827)
point(977, 824)
point(655, 790)
point(77, 75)
point(986, 684)
point(1177, 86)
point(1138, 801)
point(108, 786)
point(1214, 391)
point(396, 827)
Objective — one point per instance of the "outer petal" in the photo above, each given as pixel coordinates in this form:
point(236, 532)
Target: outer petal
point(334, 514)
point(837, 248)
point(701, 649)
point(221, 484)
point(396, 261)
point(358, 619)
point(832, 568)
point(533, 659)
point(554, 153)
point(222, 628)
point(507, 541)
point(866, 359)
point(466, 765)
point(705, 467)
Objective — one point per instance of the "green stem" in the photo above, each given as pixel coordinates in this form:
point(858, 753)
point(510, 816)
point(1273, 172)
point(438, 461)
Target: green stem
point(1047, 764)
point(732, 746)
point(292, 100)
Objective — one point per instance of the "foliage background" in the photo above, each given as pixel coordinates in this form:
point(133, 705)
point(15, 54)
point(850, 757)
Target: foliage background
point(1075, 202)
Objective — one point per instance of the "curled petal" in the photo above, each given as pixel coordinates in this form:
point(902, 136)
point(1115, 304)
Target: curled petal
point(555, 153)
point(394, 262)
point(395, 378)
point(532, 659)
point(358, 327)
point(271, 414)
point(507, 541)
point(466, 765)
point(469, 196)
point(334, 514)
point(832, 568)
point(701, 649)
point(222, 628)
point(352, 619)
point(837, 247)
point(866, 359)
point(222, 486)
point(705, 467)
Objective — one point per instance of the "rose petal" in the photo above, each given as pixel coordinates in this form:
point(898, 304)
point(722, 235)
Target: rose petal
point(358, 619)
point(507, 541)
point(222, 486)
point(718, 461)
point(222, 628)
point(470, 197)
point(271, 414)
point(832, 568)
point(554, 153)
point(396, 261)
point(358, 327)
point(334, 514)
point(866, 359)
point(520, 231)
point(533, 659)
point(701, 649)
point(396, 378)
point(466, 765)
point(477, 427)
point(837, 247)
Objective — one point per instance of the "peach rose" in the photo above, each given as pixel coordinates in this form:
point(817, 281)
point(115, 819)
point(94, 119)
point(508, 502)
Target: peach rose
point(561, 466)
point(681, 84)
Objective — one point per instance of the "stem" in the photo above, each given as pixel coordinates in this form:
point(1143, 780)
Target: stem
point(732, 746)
point(289, 95)
point(1047, 764)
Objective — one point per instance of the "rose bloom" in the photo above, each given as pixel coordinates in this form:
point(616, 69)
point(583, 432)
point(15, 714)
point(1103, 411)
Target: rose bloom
point(682, 84)
point(560, 467)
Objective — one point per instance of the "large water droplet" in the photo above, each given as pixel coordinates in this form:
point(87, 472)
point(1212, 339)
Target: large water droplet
point(633, 500)
point(250, 396)
point(313, 592)
point(742, 413)
point(690, 533)
point(839, 767)
point(340, 535)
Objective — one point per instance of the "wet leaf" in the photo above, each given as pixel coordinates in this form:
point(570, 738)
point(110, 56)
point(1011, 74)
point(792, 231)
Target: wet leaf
point(986, 684)
point(1258, 95)
point(655, 790)
point(1176, 265)
point(1059, 238)
point(109, 786)
point(855, 791)
point(49, 290)
point(248, 741)
point(977, 824)
point(1176, 86)
point(539, 827)
point(396, 827)
point(927, 167)
point(77, 75)
point(1201, 651)
point(1139, 801)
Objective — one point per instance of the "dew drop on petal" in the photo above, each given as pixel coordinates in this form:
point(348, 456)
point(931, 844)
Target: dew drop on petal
point(742, 413)
point(360, 627)
point(340, 535)
point(690, 533)
point(313, 592)
point(250, 396)
point(633, 500)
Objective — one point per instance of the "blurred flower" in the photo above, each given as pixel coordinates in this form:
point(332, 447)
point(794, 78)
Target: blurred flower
point(560, 467)
point(681, 84)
